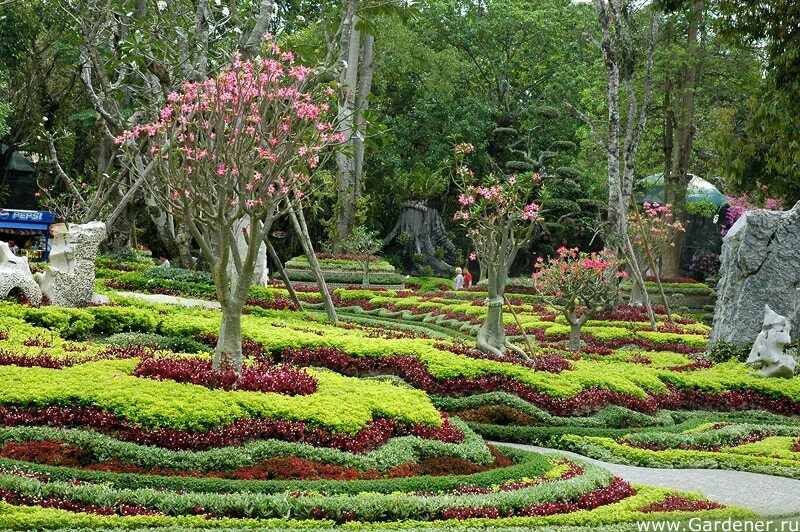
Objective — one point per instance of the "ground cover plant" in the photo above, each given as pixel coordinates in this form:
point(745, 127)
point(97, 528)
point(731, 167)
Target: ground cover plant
point(99, 434)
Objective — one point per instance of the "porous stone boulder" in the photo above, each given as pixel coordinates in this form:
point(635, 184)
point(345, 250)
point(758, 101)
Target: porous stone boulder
point(760, 266)
point(15, 273)
point(68, 281)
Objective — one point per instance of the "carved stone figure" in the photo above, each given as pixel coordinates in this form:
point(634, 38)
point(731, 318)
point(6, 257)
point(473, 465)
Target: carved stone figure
point(15, 273)
point(68, 281)
point(767, 352)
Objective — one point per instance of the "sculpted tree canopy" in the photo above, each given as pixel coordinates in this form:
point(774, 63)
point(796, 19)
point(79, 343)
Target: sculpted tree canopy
point(242, 144)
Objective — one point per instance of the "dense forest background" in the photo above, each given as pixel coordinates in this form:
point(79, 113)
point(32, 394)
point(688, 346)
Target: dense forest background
point(521, 80)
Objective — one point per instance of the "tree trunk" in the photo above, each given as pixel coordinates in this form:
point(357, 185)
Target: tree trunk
point(362, 104)
point(183, 240)
point(118, 235)
point(228, 354)
point(298, 222)
point(492, 334)
point(676, 177)
point(346, 162)
point(279, 268)
point(428, 233)
point(575, 337)
point(637, 297)
point(365, 279)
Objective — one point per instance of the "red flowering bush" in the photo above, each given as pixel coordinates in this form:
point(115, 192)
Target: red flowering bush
point(579, 285)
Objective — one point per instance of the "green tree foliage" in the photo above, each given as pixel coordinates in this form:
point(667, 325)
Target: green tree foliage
point(774, 125)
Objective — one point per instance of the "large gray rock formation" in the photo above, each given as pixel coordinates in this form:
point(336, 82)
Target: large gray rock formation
point(760, 266)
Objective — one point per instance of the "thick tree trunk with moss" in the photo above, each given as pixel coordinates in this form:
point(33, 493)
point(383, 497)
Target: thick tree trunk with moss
point(426, 233)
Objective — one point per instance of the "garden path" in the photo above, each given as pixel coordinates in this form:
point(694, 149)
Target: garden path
point(768, 495)
point(164, 299)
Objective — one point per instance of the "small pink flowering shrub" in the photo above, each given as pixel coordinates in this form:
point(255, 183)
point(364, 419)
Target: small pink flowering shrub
point(738, 205)
point(579, 285)
point(654, 228)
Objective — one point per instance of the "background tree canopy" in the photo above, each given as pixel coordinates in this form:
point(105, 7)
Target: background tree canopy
point(494, 73)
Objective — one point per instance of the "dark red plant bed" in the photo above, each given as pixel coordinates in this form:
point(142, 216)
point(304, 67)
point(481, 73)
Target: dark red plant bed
point(48, 452)
point(18, 499)
point(259, 377)
point(676, 503)
point(614, 492)
point(378, 432)
point(250, 348)
point(293, 468)
point(496, 415)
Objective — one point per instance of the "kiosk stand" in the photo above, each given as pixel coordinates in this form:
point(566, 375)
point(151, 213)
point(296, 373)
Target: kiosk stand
point(23, 226)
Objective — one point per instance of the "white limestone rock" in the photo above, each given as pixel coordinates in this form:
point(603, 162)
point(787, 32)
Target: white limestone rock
point(68, 281)
point(16, 273)
point(767, 353)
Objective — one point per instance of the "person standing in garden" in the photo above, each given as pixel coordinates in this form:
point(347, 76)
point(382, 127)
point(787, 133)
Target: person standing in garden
point(458, 282)
point(467, 277)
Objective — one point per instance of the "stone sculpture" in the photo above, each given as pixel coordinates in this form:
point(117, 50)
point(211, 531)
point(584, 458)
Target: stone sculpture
point(15, 273)
point(760, 265)
point(767, 353)
point(68, 281)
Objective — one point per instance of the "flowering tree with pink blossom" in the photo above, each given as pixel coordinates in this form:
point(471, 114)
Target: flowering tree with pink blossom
point(652, 232)
point(579, 285)
point(500, 215)
point(238, 146)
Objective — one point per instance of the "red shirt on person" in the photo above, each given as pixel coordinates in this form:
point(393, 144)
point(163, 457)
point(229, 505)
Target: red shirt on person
point(467, 279)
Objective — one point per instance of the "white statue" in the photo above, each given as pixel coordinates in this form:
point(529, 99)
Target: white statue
point(15, 273)
point(767, 352)
point(68, 281)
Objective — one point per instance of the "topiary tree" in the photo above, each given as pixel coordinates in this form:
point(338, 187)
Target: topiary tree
point(239, 145)
point(579, 283)
point(500, 216)
point(364, 244)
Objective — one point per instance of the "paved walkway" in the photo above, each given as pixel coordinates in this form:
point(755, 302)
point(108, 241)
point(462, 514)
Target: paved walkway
point(765, 494)
point(171, 300)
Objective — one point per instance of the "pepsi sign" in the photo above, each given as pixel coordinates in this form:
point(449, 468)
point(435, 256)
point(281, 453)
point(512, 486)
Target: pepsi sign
point(9, 215)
